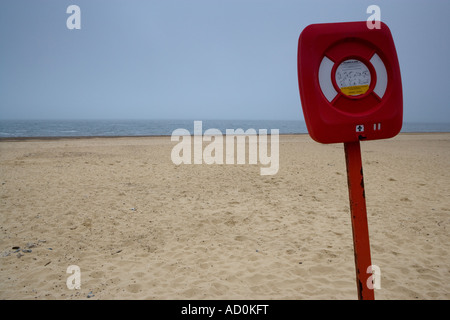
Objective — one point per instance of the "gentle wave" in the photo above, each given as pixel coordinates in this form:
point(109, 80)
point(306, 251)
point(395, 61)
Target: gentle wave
point(58, 128)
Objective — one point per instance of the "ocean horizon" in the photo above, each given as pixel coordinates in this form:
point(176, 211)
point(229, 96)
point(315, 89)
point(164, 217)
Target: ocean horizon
point(164, 127)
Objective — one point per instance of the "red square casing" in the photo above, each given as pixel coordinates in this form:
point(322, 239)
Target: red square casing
point(349, 81)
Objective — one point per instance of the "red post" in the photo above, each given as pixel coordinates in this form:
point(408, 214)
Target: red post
point(361, 244)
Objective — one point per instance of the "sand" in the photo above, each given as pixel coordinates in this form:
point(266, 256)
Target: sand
point(140, 227)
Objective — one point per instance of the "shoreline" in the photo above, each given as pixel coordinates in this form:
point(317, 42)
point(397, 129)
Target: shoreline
point(52, 138)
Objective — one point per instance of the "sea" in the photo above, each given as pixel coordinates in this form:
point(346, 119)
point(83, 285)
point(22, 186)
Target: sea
point(97, 128)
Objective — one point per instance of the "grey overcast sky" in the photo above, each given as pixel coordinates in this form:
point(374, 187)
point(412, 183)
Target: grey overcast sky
point(198, 59)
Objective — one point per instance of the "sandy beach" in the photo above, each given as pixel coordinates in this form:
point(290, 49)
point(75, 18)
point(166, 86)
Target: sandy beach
point(140, 227)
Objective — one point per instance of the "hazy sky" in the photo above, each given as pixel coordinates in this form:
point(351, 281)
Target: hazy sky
point(198, 59)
